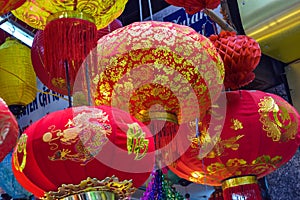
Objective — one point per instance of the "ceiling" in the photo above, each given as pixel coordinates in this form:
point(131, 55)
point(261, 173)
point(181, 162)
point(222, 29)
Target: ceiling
point(270, 73)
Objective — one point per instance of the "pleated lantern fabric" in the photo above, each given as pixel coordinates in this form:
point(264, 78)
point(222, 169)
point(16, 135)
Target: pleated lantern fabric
point(241, 55)
point(8, 181)
point(55, 78)
point(8, 5)
point(17, 76)
point(70, 32)
point(84, 149)
point(259, 135)
point(194, 6)
point(9, 130)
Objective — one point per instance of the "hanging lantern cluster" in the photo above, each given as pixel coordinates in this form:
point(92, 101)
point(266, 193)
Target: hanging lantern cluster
point(241, 54)
point(79, 150)
point(9, 183)
point(9, 130)
point(70, 33)
point(8, 5)
point(258, 136)
point(194, 6)
point(17, 76)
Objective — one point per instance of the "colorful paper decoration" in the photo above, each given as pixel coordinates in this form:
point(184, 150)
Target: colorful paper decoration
point(241, 54)
point(258, 136)
point(9, 130)
point(9, 183)
point(194, 6)
point(84, 149)
point(8, 5)
point(159, 65)
point(17, 76)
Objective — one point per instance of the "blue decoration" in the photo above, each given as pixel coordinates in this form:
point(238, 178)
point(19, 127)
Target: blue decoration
point(8, 182)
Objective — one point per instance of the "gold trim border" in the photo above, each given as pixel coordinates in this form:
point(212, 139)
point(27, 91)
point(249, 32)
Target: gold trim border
point(71, 14)
point(146, 116)
point(237, 181)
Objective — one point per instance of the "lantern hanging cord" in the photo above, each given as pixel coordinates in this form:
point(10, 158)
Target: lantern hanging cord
point(141, 10)
point(222, 23)
point(43, 92)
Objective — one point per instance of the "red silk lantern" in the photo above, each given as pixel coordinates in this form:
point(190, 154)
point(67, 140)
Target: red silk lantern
point(9, 130)
point(8, 5)
point(55, 78)
point(241, 54)
point(194, 6)
point(258, 136)
point(69, 146)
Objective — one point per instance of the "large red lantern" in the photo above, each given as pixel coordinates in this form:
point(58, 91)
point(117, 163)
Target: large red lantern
point(258, 136)
point(9, 130)
point(194, 6)
point(8, 5)
point(241, 54)
point(55, 78)
point(83, 149)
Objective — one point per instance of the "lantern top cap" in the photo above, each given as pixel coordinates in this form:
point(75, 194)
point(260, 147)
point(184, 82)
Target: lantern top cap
point(110, 184)
point(71, 14)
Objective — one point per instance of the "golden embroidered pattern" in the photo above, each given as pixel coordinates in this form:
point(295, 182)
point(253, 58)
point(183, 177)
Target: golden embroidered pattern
point(276, 118)
point(136, 141)
point(21, 149)
point(236, 124)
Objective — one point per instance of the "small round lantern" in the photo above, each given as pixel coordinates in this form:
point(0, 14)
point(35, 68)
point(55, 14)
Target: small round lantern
point(17, 76)
point(8, 5)
point(84, 151)
point(9, 130)
point(241, 54)
point(194, 6)
point(258, 136)
point(9, 183)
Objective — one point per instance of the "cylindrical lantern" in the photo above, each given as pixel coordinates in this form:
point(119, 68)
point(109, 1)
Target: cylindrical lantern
point(8, 5)
point(9, 130)
point(99, 150)
point(194, 6)
point(55, 78)
point(17, 76)
point(9, 183)
point(258, 136)
point(241, 54)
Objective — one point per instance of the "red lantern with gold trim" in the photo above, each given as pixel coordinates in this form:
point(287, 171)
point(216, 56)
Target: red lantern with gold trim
point(241, 54)
point(84, 149)
point(258, 136)
point(194, 6)
point(8, 5)
point(9, 130)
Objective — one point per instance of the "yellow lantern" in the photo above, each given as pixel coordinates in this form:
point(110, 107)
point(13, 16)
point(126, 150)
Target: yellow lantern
point(17, 76)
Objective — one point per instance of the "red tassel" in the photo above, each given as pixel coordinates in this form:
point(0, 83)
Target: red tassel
point(241, 189)
point(71, 40)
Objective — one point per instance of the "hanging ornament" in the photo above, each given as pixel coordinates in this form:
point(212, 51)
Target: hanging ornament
point(70, 32)
point(83, 150)
point(241, 54)
point(55, 78)
point(194, 6)
point(258, 136)
point(9, 183)
point(8, 5)
point(17, 77)
point(9, 130)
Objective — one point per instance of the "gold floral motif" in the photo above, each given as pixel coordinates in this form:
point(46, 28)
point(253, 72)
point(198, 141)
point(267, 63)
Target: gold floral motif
point(87, 132)
point(59, 82)
point(236, 124)
point(21, 148)
point(111, 184)
point(136, 142)
point(276, 119)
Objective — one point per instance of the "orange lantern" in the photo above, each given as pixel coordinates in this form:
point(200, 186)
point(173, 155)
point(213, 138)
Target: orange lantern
point(258, 136)
point(241, 54)
point(9, 130)
point(194, 6)
point(81, 150)
point(8, 5)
